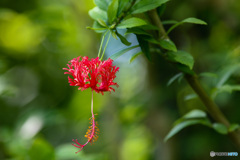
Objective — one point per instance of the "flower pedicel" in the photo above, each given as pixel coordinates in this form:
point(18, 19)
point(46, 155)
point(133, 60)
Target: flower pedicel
point(97, 75)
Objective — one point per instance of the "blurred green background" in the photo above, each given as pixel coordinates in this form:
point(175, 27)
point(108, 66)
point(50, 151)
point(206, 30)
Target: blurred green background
point(40, 113)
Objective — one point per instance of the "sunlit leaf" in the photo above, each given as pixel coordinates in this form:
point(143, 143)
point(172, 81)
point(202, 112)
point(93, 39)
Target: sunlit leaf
point(220, 128)
point(112, 11)
point(146, 5)
point(96, 13)
point(131, 22)
point(121, 52)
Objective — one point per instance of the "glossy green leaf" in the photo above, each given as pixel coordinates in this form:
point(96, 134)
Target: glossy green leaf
point(96, 13)
point(144, 46)
point(187, 20)
point(112, 11)
point(121, 52)
point(185, 124)
point(233, 127)
point(146, 5)
point(168, 44)
point(102, 23)
point(103, 4)
point(220, 128)
point(175, 77)
point(123, 39)
point(131, 22)
point(181, 57)
point(134, 56)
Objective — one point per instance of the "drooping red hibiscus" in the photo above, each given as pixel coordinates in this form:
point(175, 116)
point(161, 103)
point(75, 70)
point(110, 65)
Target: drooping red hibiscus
point(94, 73)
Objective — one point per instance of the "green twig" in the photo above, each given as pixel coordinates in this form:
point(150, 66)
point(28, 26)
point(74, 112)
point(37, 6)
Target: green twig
point(192, 80)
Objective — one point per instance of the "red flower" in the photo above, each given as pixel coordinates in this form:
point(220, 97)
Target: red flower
point(94, 73)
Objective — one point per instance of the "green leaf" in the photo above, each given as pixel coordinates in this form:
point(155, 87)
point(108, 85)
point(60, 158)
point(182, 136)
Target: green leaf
point(137, 30)
point(114, 35)
point(96, 14)
point(144, 46)
point(123, 39)
point(225, 88)
point(196, 113)
point(122, 5)
point(194, 20)
point(175, 77)
point(226, 73)
point(97, 27)
point(161, 9)
point(134, 56)
point(208, 74)
point(184, 69)
point(182, 58)
point(112, 11)
point(146, 5)
point(220, 128)
point(131, 22)
point(118, 54)
point(103, 4)
point(185, 124)
point(169, 22)
point(168, 44)
point(187, 20)
point(233, 127)
point(102, 23)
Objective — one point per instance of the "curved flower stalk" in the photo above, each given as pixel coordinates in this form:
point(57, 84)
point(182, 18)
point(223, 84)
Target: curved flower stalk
point(97, 75)
point(92, 132)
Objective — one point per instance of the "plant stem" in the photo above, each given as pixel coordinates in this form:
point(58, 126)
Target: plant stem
point(100, 49)
point(192, 80)
point(105, 45)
